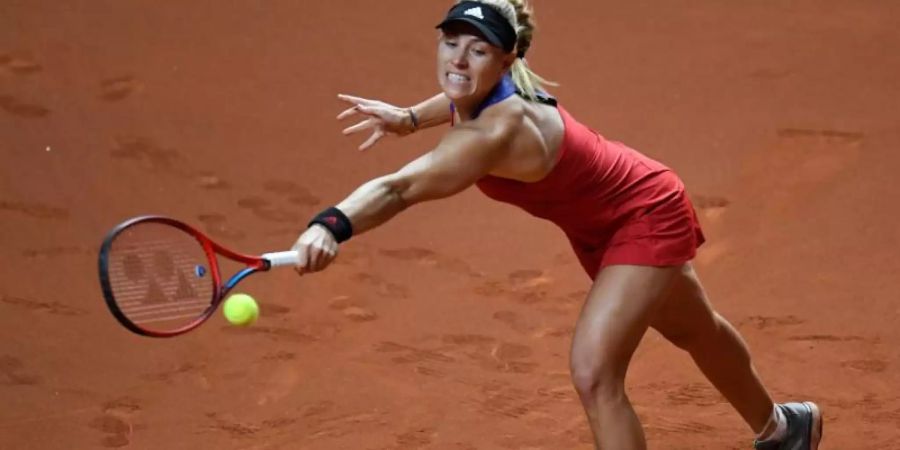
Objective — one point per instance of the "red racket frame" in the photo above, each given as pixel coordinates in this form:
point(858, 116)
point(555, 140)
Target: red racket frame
point(210, 248)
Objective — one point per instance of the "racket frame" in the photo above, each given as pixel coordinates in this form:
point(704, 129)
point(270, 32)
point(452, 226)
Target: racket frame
point(210, 248)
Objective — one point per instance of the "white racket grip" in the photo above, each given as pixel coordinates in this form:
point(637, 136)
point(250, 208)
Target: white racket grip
point(277, 259)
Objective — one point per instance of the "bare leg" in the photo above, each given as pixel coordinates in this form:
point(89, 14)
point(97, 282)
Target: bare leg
point(687, 320)
point(615, 316)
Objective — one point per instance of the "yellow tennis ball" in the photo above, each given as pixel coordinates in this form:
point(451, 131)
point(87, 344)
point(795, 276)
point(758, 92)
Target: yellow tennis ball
point(240, 309)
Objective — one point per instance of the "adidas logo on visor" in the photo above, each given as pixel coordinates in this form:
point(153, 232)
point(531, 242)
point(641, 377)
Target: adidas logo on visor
point(476, 11)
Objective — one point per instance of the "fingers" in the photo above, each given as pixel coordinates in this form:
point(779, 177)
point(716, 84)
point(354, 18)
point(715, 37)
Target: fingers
point(347, 113)
point(376, 135)
point(367, 110)
point(363, 105)
point(357, 102)
point(319, 259)
point(314, 256)
point(322, 260)
point(368, 123)
point(353, 99)
point(302, 259)
point(379, 115)
point(372, 111)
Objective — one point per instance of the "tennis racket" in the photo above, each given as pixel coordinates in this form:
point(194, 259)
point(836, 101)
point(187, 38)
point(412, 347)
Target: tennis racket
point(160, 277)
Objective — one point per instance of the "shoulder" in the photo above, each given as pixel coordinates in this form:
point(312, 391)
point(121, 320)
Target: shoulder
point(502, 120)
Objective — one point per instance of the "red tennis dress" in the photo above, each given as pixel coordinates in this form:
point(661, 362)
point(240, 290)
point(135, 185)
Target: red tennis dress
point(616, 205)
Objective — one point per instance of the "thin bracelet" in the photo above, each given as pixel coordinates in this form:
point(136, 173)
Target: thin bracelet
point(413, 118)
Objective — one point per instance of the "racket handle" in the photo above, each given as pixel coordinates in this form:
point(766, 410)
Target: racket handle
point(277, 259)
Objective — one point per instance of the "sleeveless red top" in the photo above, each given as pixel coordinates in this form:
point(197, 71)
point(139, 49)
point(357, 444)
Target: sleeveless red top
point(616, 205)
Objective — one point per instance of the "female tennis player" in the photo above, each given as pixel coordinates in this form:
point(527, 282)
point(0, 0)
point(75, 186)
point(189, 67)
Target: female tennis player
point(627, 217)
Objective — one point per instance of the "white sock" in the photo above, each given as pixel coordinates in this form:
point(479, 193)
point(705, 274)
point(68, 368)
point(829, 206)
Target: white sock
point(780, 430)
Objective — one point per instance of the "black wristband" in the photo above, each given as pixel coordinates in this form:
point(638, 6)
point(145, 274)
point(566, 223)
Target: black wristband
point(336, 222)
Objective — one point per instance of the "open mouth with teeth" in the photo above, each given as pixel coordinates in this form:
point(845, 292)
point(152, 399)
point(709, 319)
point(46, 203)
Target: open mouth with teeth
point(457, 78)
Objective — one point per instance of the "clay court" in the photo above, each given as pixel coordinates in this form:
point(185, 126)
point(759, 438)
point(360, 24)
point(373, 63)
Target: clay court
point(449, 327)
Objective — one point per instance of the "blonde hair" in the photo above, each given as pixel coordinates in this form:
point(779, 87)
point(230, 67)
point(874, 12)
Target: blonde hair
point(518, 13)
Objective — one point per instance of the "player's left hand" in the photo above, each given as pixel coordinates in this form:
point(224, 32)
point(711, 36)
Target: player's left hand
point(316, 248)
point(380, 117)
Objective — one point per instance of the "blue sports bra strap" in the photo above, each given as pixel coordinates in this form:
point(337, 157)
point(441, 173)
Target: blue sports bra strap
point(503, 90)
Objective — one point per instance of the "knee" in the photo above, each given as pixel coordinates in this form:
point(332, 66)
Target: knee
point(597, 379)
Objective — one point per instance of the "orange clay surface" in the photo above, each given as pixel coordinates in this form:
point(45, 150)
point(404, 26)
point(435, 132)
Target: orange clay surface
point(447, 328)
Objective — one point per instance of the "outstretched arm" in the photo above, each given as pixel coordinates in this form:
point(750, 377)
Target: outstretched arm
point(467, 153)
point(383, 118)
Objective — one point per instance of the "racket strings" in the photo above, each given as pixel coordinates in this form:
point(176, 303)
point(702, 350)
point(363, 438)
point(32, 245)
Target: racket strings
point(160, 276)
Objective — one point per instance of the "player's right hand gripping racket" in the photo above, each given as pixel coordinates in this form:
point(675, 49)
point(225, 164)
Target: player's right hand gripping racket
point(160, 277)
